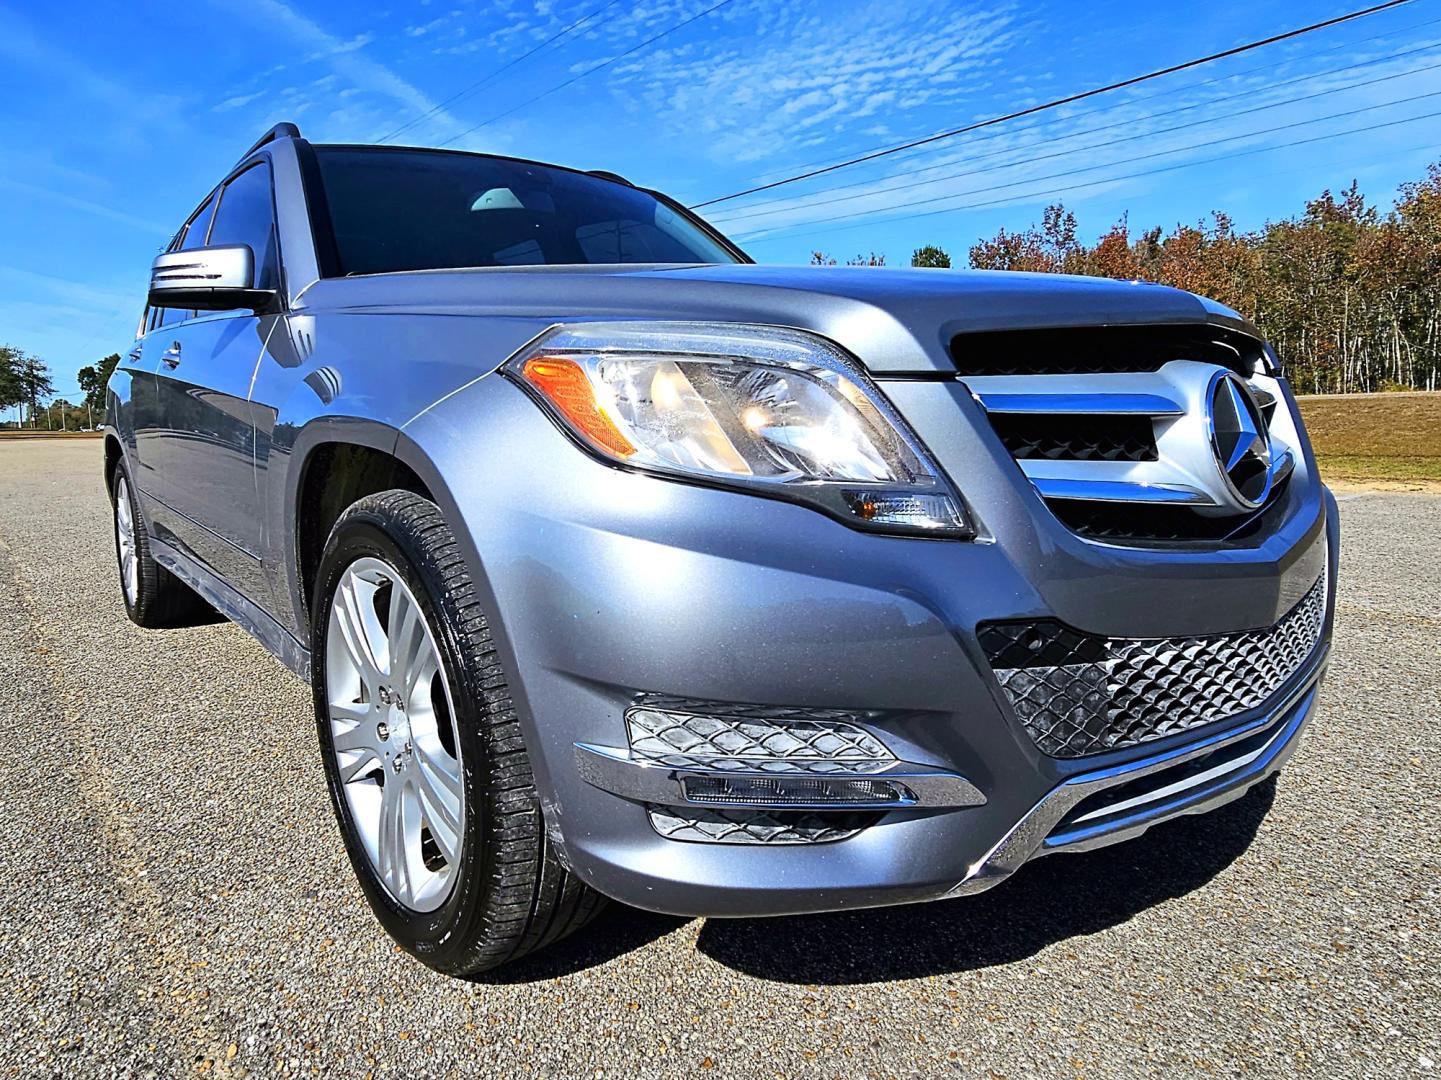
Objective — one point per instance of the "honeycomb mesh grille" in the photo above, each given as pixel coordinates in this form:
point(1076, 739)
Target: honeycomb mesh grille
point(720, 737)
point(748, 737)
point(1077, 694)
point(755, 826)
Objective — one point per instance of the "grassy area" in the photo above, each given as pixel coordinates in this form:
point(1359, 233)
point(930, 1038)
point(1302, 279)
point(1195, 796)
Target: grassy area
point(1389, 437)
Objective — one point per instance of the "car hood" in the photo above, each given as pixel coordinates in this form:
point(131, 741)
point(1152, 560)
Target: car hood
point(895, 321)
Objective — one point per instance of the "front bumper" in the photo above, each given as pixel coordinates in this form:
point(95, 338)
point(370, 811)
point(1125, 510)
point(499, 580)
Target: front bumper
point(607, 588)
point(1097, 809)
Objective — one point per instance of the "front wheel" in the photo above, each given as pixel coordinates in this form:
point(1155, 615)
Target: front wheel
point(427, 770)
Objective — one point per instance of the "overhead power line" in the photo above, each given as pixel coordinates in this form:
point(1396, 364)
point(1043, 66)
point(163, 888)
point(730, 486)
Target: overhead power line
point(788, 229)
point(564, 31)
point(1058, 102)
point(808, 204)
point(1042, 122)
point(795, 201)
point(606, 63)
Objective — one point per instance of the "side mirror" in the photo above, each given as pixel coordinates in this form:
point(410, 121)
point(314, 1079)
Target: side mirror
point(207, 279)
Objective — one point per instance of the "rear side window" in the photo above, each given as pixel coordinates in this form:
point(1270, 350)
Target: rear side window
point(246, 215)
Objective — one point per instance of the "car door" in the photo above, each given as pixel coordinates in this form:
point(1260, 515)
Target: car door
point(204, 446)
point(142, 362)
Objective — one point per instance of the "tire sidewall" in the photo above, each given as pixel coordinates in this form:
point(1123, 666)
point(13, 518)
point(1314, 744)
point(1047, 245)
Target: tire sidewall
point(433, 936)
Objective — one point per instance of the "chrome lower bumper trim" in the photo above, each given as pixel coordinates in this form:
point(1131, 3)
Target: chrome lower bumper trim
point(649, 780)
point(1036, 834)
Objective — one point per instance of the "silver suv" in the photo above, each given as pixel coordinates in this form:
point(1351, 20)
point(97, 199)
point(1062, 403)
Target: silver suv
point(623, 567)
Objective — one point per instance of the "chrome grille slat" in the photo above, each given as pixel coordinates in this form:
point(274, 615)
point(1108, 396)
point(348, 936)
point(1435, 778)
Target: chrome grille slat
point(1082, 404)
point(1064, 487)
point(1076, 437)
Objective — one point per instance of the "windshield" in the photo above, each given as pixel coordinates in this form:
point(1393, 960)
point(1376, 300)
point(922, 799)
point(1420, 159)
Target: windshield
point(430, 210)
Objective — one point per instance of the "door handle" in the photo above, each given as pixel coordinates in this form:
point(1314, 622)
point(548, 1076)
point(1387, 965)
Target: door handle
point(171, 356)
point(135, 354)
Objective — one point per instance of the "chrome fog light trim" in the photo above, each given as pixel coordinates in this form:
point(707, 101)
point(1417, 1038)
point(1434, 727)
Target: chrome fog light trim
point(663, 782)
point(802, 790)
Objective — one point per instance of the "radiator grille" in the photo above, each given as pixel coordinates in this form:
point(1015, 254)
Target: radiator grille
point(1077, 694)
point(1077, 438)
point(1100, 350)
point(1128, 523)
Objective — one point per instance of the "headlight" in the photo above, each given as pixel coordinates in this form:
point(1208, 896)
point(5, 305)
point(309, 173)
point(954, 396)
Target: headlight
point(770, 410)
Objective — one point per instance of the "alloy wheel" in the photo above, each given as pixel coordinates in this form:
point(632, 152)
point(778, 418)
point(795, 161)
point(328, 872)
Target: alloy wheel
point(393, 734)
point(125, 541)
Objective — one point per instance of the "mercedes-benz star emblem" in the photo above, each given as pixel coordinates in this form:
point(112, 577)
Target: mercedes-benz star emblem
point(1240, 440)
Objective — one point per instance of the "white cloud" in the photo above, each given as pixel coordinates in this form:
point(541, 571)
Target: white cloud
point(800, 69)
point(347, 58)
point(236, 102)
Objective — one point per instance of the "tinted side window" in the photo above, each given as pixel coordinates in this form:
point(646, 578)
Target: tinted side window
point(199, 225)
point(246, 216)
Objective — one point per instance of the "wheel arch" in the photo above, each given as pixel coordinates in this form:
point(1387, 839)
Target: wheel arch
point(335, 471)
point(114, 454)
point(418, 468)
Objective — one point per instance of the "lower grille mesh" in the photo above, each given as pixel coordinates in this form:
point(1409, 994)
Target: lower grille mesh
point(755, 826)
point(752, 737)
point(1077, 694)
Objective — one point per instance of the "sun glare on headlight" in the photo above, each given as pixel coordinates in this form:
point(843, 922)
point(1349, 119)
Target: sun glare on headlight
point(745, 406)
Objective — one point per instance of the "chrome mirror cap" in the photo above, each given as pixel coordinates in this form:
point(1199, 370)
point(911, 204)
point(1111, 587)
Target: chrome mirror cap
point(207, 279)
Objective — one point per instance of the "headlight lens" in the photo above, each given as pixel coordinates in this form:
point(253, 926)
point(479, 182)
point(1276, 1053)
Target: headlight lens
point(764, 408)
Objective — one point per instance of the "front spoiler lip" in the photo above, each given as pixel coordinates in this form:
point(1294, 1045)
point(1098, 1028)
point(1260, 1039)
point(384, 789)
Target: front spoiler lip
point(1033, 836)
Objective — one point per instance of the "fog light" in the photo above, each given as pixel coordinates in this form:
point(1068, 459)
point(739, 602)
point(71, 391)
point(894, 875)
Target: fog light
point(794, 791)
point(915, 510)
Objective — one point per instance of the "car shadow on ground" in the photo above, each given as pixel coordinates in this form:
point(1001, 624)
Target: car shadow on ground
point(1050, 900)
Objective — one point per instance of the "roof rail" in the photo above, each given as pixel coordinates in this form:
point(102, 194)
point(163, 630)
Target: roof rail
point(606, 174)
point(279, 131)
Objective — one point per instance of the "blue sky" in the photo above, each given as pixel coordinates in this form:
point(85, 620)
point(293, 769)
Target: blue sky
point(120, 117)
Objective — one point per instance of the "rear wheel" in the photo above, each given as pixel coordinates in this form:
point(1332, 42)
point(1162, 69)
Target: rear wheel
point(427, 770)
point(154, 597)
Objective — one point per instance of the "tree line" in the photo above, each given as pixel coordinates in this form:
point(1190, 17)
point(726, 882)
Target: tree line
point(1349, 295)
point(25, 381)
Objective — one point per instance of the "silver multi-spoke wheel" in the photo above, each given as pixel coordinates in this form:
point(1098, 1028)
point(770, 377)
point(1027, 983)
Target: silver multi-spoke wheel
point(392, 726)
point(455, 862)
point(125, 541)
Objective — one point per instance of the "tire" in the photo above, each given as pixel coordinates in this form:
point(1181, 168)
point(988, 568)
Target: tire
point(462, 888)
point(154, 598)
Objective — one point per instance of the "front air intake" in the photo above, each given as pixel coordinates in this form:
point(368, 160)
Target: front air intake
point(1077, 694)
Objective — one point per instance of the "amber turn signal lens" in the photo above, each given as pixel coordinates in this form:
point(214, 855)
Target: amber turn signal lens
point(566, 386)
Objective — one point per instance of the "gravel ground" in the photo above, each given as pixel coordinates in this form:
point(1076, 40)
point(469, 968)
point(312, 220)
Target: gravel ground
point(174, 899)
